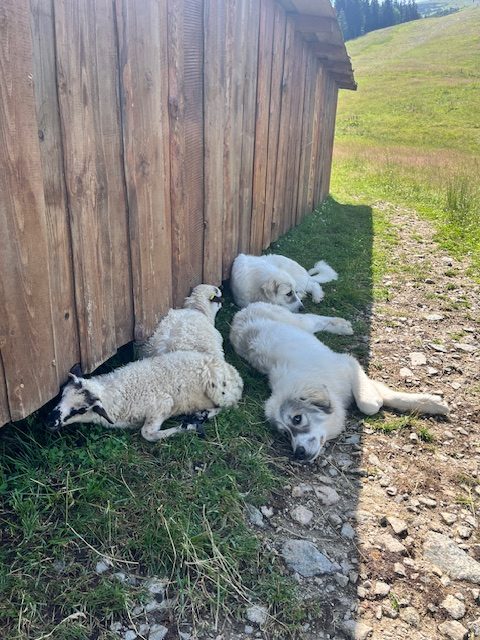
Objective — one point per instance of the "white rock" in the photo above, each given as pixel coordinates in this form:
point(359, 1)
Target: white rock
point(410, 615)
point(254, 516)
point(448, 518)
point(348, 531)
point(399, 526)
point(116, 627)
point(130, 635)
point(399, 569)
point(431, 371)
point(445, 554)
point(327, 495)
point(248, 629)
point(157, 632)
point(464, 532)
point(103, 565)
point(302, 515)
point(257, 614)
point(391, 544)
point(464, 346)
point(304, 558)
point(454, 607)
point(156, 586)
point(341, 579)
point(301, 489)
point(356, 630)
point(428, 502)
point(381, 589)
point(417, 358)
point(453, 630)
point(434, 317)
point(267, 511)
point(405, 372)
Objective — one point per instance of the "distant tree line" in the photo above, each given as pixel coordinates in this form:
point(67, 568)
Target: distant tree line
point(357, 17)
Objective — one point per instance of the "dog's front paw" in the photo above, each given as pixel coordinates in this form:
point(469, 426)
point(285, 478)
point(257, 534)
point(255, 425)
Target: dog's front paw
point(340, 326)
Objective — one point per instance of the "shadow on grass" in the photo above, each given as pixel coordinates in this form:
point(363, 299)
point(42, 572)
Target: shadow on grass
point(176, 509)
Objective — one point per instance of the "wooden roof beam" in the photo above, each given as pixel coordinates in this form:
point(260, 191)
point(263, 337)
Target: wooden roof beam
point(314, 24)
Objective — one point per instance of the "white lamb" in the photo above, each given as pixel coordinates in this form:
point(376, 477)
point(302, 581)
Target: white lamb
point(191, 328)
point(147, 392)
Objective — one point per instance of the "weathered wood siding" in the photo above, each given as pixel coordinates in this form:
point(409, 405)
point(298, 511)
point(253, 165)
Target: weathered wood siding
point(143, 146)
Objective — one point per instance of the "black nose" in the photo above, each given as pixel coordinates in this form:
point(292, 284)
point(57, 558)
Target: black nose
point(52, 421)
point(300, 453)
point(301, 308)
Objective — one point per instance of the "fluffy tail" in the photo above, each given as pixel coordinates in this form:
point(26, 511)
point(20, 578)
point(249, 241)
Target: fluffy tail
point(323, 272)
point(420, 402)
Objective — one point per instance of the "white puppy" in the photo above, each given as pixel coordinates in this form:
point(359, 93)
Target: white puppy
point(278, 280)
point(191, 328)
point(312, 386)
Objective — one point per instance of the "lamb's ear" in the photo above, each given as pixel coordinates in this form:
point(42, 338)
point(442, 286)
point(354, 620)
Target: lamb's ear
point(320, 398)
point(76, 370)
point(100, 410)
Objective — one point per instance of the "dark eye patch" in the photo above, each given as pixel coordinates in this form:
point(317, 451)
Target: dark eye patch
point(76, 412)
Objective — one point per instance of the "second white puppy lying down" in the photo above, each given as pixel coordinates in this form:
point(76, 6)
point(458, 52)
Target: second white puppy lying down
point(191, 328)
point(147, 392)
point(277, 279)
point(312, 386)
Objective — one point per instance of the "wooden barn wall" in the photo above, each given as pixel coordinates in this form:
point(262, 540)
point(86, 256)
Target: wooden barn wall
point(144, 145)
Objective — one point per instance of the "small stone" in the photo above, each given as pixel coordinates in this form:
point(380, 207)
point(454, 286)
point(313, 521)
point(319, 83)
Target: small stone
point(474, 628)
point(417, 359)
point(254, 516)
point(157, 632)
point(389, 611)
point(434, 317)
point(378, 612)
point(327, 495)
point(116, 627)
point(341, 579)
point(428, 502)
point(103, 565)
point(348, 531)
point(399, 526)
point(445, 554)
point(356, 630)
point(464, 532)
point(438, 347)
point(454, 607)
point(302, 515)
point(399, 569)
point(130, 635)
point(248, 629)
point(391, 544)
point(448, 518)
point(156, 586)
point(410, 615)
point(266, 511)
point(414, 437)
point(405, 373)
point(184, 635)
point(362, 593)
point(301, 489)
point(303, 557)
point(431, 371)
point(464, 346)
point(334, 519)
point(374, 460)
point(453, 630)
point(257, 614)
point(391, 491)
point(381, 589)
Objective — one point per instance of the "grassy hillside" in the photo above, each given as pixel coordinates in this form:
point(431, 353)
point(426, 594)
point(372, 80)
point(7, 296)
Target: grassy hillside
point(411, 133)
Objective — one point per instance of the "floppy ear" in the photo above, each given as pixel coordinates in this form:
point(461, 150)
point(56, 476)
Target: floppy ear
point(99, 409)
point(270, 288)
point(76, 370)
point(319, 397)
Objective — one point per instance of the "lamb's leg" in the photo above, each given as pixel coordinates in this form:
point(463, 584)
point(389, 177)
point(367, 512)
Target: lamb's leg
point(152, 430)
point(366, 395)
point(420, 402)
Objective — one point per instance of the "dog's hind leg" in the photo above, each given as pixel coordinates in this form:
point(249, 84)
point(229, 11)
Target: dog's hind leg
point(419, 402)
point(368, 399)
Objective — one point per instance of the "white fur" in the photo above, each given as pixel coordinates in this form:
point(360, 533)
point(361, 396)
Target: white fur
point(147, 392)
point(310, 381)
point(191, 328)
point(272, 278)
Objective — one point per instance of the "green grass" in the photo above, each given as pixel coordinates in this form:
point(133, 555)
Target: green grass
point(410, 135)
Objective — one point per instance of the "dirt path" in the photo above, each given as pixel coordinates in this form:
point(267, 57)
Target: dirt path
point(380, 505)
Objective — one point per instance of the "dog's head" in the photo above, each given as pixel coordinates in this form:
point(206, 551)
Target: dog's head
point(282, 292)
point(206, 298)
point(223, 384)
point(304, 420)
point(77, 404)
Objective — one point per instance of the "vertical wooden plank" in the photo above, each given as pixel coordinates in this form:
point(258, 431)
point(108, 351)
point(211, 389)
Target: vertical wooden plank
point(297, 114)
point(214, 136)
point(306, 142)
point(250, 39)
point(264, 76)
point(142, 32)
point(325, 136)
point(26, 335)
point(279, 204)
point(333, 98)
point(321, 101)
point(4, 409)
point(89, 110)
point(185, 49)
point(58, 225)
point(279, 34)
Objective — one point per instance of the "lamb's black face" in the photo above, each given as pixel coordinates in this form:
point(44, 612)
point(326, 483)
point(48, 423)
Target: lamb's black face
point(77, 404)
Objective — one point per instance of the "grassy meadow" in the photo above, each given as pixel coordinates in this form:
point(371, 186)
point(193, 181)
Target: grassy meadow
point(410, 134)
